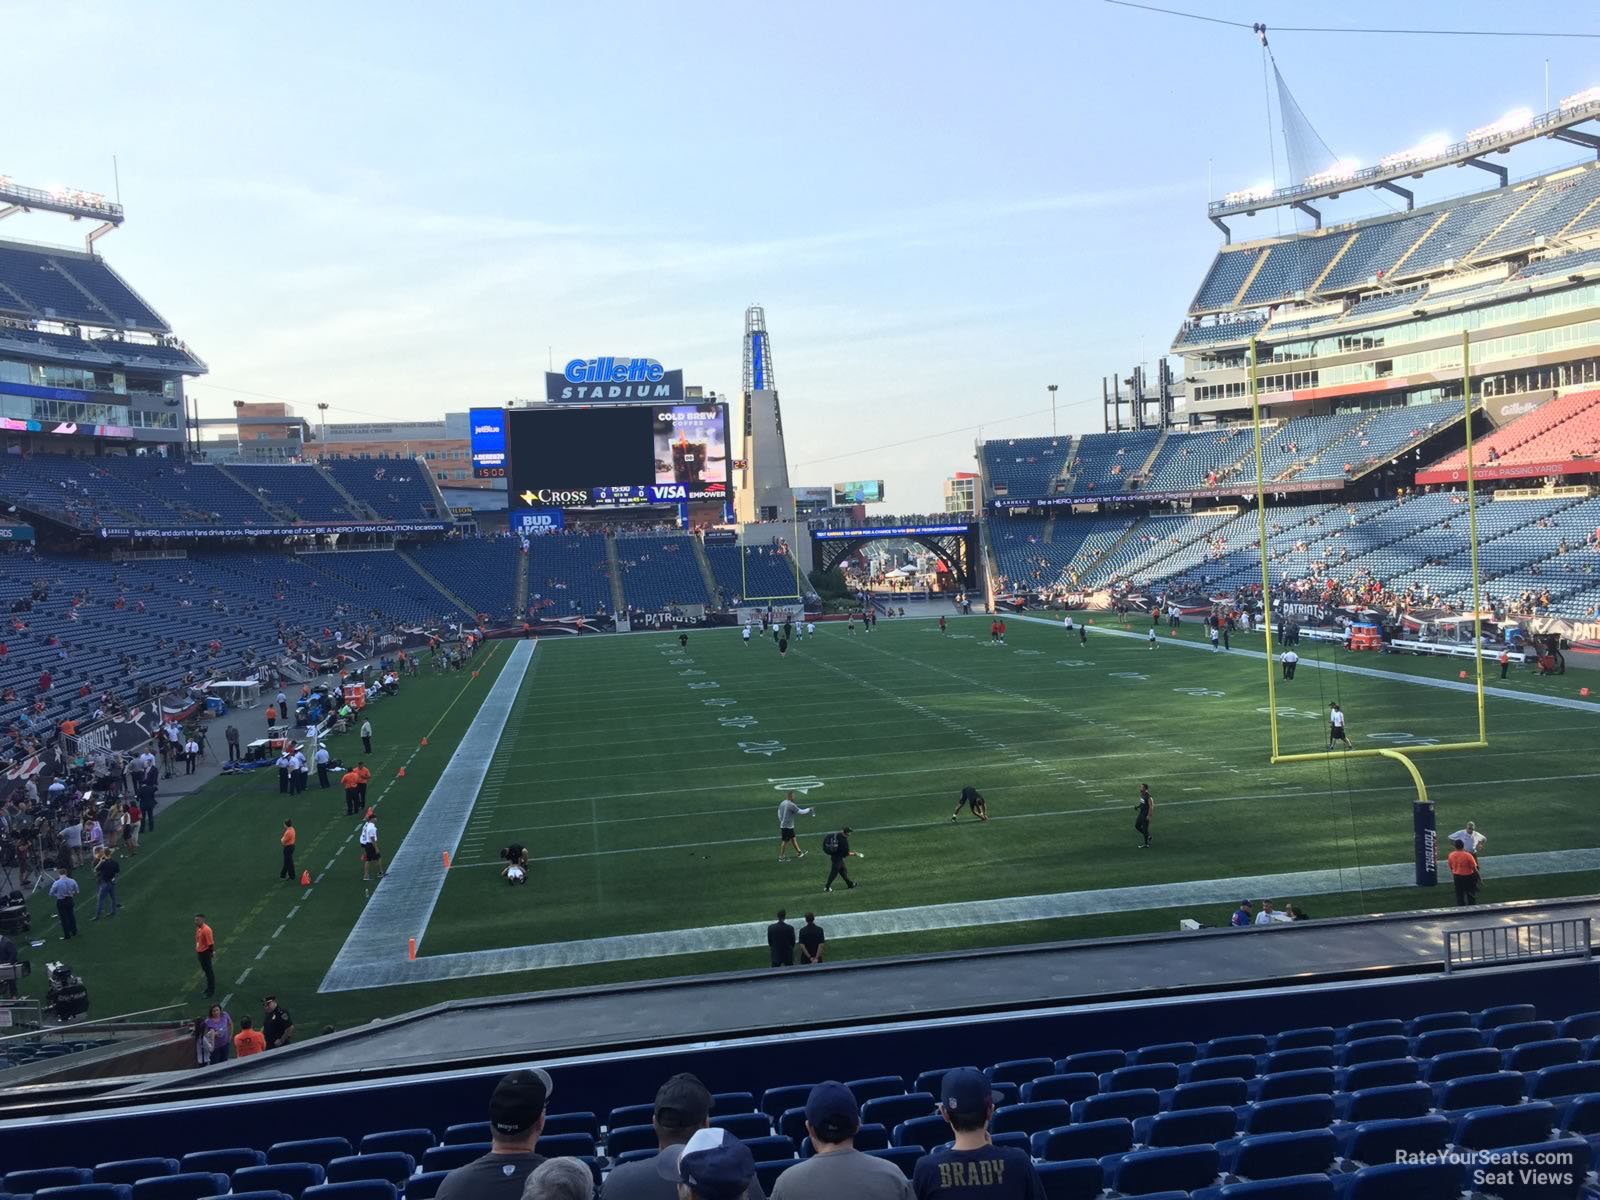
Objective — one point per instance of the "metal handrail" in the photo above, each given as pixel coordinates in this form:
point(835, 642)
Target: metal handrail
point(1498, 945)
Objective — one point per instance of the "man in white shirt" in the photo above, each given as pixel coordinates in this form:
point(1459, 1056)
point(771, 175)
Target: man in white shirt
point(366, 736)
point(1288, 658)
point(322, 765)
point(370, 854)
point(191, 755)
point(1468, 837)
point(1269, 915)
point(788, 810)
point(297, 772)
point(146, 761)
point(284, 764)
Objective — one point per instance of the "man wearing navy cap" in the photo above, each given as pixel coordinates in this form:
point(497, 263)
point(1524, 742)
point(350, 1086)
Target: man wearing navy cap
point(516, 1118)
point(712, 1165)
point(973, 1168)
point(838, 1168)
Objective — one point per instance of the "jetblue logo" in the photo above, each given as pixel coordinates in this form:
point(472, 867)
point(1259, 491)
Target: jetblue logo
point(614, 370)
point(486, 429)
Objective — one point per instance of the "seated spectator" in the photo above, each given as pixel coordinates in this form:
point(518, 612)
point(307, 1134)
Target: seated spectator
point(516, 1118)
point(837, 1168)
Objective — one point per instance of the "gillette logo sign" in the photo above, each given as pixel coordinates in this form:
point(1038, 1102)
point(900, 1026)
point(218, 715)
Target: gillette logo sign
point(603, 380)
point(614, 370)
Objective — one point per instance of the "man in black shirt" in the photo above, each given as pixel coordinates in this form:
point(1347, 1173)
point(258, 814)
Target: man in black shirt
point(811, 939)
point(277, 1025)
point(780, 940)
point(516, 1118)
point(971, 797)
point(837, 847)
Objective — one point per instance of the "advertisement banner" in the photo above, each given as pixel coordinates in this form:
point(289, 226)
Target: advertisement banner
point(16, 533)
point(121, 734)
point(251, 531)
point(835, 535)
point(529, 521)
point(612, 380)
point(1426, 843)
point(487, 441)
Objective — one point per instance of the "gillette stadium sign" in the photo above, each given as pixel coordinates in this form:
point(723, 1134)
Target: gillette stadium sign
point(613, 380)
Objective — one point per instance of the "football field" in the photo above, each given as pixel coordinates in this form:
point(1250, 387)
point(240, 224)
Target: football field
point(644, 778)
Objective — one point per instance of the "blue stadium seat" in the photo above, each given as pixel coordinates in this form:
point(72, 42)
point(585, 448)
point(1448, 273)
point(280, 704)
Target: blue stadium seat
point(932, 1080)
point(224, 1161)
point(1404, 1181)
point(471, 1131)
point(1088, 1139)
point(1312, 1035)
point(1373, 1142)
point(1581, 1115)
point(1061, 1087)
point(727, 1103)
point(1535, 1056)
point(875, 1088)
point(1305, 1058)
point(1290, 1115)
point(292, 1179)
point(582, 1145)
point(744, 1125)
point(1504, 1037)
point(396, 1166)
point(1006, 1093)
point(1580, 1025)
point(776, 1101)
point(87, 1191)
point(1504, 1125)
point(1080, 1179)
point(355, 1189)
point(1253, 1044)
point(1031, 1118)
point(1477, 1091)
point(1382, 1073)
point(1360, 1031)
point(131, 1170)
point(1317, 1081)
point(792, 1124)
point(1234, 1066)
point(1295, 1187)
point(191, 1185)
point(573, 1122)
point(622, 1139)
point(47, 1177)
point(1147, 1075)
point(448, 1158)
point(868, 1137)
point(770, 1148)
point(415, 1142)
point(263, 1196)
point(321, 1151)
point(904, 1157)
point(1206, 1094)
point(1143, 1102)
point(1547, 1170)
point(632, 1114)
point(1275, 1155)
point(1374, 1049)
point(1096, 1062)
point(1385, 1103)
point(1170, 1169)
point(422, 1187)
point(1020, 1070)
point(1433, 1022)
point(1188, 1127)
point(1164, 1052)
point(628, 1156)
point(1443, 1041)
point(767, 1174)
point(1455, 1064)
point(1567, 1079)
point(1505, 1014)
point(921, 1131)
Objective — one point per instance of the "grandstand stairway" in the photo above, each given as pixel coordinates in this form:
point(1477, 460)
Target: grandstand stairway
point(619, 602)
point(520, 592)
point(1142, 471)
point(1049, 535)
point(366, 511)
point(442, 589)
point(277, 509)
point(706, 572)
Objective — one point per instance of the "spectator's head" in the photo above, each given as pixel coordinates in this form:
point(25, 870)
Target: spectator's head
point(270, 1003)
point(966, 1099)
point(847, 829)
point(832, 1116)
point(246, 1023)
point(711, 1165)
point(1459, 844)
point(516, 1110)
point(811, 918)
point(559, 1179)
point(1266, 906)
point(1471, 827)
point(199, 920)
point(783, 914)
point(683, 1107)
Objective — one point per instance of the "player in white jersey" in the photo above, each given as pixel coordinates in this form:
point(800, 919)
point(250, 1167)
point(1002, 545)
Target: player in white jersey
point(788, 810)
point(1336, 726)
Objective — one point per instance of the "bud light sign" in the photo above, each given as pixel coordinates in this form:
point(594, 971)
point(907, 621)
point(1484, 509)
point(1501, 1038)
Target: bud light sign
point(528, 521)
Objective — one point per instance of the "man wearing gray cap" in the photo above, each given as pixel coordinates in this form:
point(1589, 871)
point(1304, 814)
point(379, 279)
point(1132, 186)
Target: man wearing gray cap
point(683, 1109)
point(838, 1168)
point(516, 1118)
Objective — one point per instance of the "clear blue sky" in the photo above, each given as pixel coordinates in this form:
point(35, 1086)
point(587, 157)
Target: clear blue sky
point(398, 208)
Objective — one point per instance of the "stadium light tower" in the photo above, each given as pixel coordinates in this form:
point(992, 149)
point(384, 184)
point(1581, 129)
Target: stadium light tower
point(1051, 388)
point(765, 494)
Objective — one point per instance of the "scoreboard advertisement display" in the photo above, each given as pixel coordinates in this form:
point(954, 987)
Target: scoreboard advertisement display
point(618, 455)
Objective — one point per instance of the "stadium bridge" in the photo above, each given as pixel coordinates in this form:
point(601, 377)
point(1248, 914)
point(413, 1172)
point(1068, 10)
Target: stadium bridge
point(954, 542)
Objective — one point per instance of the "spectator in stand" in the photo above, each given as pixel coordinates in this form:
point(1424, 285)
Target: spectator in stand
point(560, 1179)
point(973, 1165)
point(516, 1118)
point(683, 1108)
point(836, 1167)
point(712, 1165)
point(1243, 916)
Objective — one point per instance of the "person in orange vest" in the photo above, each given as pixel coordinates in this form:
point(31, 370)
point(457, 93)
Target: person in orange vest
point(1505, 663)
point(351, 781)
point(248, 1040)
point(365, 776)
point(287, 842)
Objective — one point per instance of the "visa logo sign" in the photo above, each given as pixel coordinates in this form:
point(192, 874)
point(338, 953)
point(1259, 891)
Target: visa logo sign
point(669, 491)
point(614, 370)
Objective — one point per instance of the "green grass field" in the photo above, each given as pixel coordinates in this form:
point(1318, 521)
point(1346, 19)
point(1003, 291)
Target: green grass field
point(647, 798)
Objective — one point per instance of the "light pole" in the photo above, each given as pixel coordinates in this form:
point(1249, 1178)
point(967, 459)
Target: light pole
point(1051, 387)
point(322, 410)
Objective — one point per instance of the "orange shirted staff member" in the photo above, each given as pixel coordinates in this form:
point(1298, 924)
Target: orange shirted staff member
point(287, 842)
point(249, 1040)
point(1464, 873)
point(366, 777)
point(351, 782)
point(205, 946)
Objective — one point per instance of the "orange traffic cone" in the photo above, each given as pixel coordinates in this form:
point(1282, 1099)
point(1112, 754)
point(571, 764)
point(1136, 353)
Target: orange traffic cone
point(305, 878)
point(401, 773)
point(1461, 674)
point(447, 860)
point(424, 741)
point(411, 949)
point(474, 674)
point(1091, 621)
point(1583, 692)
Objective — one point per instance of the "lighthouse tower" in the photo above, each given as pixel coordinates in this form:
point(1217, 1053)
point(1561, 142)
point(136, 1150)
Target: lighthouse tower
point(764, 492)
